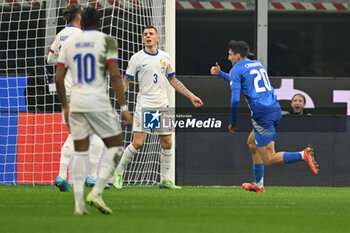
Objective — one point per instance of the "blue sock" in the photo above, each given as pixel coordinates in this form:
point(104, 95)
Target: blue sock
point(258, 172)
point(292, 157)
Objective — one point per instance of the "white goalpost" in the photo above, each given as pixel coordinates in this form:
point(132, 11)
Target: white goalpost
point(31, 127)
point(170, 44)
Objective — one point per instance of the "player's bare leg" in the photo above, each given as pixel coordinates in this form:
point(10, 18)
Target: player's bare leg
point(271, 158)
point(253, 149)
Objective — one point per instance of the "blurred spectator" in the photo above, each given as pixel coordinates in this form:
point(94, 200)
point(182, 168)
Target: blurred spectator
point(297, 103)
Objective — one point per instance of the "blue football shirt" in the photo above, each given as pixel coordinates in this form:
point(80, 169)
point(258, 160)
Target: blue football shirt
point(250, 77)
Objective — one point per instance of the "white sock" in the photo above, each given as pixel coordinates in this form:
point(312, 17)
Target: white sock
point(109, 163)
point(128, 155)
point(95, 152)
point(260, 184)
point(302, 154)
point(66, 155)
point(78, 176)
point(165, 164)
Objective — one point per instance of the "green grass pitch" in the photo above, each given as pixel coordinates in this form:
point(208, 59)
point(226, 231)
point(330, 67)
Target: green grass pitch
point(192, 209)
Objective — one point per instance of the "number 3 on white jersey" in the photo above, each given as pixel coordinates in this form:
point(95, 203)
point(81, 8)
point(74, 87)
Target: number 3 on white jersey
point(261, 74)
point(155, 80)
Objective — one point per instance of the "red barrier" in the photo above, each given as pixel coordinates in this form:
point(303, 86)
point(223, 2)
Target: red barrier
point(40, 138)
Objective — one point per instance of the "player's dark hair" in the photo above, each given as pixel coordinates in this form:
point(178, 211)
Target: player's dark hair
point(150, 27)
point(240, 47)
point(90, 18)
point(71, 12)
point(301, 95)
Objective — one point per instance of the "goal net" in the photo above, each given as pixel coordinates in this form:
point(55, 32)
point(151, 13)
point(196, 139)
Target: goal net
point(31, 127)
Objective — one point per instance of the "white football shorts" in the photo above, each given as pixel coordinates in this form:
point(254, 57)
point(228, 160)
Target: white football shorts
point(141, 125)
point(104, 124)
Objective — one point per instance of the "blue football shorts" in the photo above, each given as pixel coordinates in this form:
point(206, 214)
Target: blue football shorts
point(264, 128)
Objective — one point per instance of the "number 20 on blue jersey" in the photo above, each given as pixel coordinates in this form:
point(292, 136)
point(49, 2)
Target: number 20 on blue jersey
point(261, 74)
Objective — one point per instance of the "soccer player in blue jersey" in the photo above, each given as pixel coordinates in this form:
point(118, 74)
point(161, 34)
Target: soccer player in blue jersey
point(250, 77)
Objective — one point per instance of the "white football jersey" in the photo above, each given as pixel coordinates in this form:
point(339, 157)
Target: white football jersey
point(86, 54)
point(152, 71)
point(56, 46)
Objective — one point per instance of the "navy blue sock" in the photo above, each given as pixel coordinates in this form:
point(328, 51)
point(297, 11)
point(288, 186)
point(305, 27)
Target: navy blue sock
point(291, 157)
point(258, 172)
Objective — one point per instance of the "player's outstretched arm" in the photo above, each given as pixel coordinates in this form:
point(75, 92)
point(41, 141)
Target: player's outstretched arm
point(118, 87)
point(197, 102)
